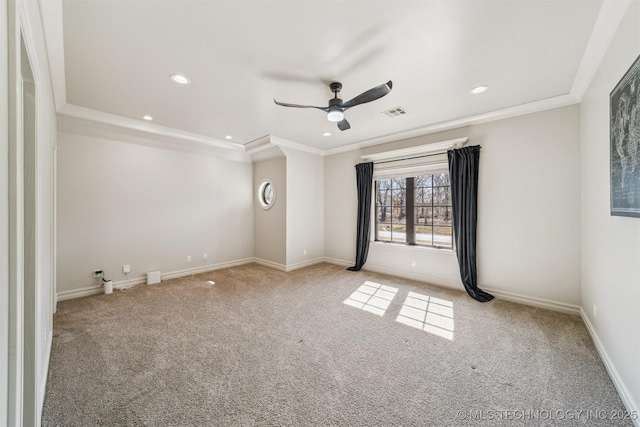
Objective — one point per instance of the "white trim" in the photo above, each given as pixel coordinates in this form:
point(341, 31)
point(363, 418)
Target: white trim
point(45, 373)
point(270, 264)
point(505, 113)
point(298, 265)
point(258, 145)
point(623, 391)
point(261, 201)
point(4, 214)
point(296, 146)
point(269, 141)
point(429, 280)
point(204, 269)
point(611, 15)
point(607, 23)
point(563, 307)
point(420, 150)
point(507, 296)
point(396, 247)
point(75, 111)
point(337, 261)
point(125, 284)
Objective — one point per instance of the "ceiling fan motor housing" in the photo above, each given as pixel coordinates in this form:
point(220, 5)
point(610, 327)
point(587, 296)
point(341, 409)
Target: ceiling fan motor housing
point(335, 87)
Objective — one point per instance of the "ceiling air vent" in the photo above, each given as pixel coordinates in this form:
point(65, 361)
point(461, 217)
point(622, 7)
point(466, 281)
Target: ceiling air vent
point(395, 112)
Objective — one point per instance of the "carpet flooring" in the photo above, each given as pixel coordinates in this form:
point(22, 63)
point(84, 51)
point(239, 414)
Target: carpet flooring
point(319, 346)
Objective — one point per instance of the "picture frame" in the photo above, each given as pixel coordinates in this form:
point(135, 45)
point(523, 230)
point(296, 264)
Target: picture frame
point(624, 140)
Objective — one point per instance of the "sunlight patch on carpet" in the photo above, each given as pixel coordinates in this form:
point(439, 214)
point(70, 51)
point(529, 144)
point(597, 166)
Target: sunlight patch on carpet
point(372, 297)
point(430, 314)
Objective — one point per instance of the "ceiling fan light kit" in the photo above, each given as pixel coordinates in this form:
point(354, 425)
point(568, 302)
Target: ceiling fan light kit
point(335, 110)
point(335, 115)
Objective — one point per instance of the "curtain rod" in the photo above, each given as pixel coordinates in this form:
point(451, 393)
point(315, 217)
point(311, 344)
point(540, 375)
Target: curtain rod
point(408, 158)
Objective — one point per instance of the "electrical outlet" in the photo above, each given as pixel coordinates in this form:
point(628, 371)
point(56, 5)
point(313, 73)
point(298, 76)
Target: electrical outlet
point(126, 268)
point(594, 311)
point(97, 273)
point(205, 256)
point(413, 263)
point(189, 258)
point(304, 252)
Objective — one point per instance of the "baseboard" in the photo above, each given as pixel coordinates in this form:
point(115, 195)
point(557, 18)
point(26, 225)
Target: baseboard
point(270, 264)
point(563, 307)
point(303, 264)
point(79, 293)
point(337, 261)
point(508, 296)
point(419, 277)
point(204, 269)
point(623, 391)
point(124, 284)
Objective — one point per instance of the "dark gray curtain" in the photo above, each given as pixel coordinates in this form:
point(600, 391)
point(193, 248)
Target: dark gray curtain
point(364, 178)
point(463, 175)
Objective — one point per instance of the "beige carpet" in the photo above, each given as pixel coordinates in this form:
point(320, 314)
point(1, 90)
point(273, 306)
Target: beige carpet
point(319, 346)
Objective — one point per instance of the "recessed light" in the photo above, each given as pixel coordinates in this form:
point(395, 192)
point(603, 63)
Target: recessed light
point(228, 137)
point(147, 118)
point(479, 89)
point(326, 134)
point(179, 78)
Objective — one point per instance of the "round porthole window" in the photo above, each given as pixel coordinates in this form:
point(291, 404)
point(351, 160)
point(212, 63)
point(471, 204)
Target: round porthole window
point(266, 194)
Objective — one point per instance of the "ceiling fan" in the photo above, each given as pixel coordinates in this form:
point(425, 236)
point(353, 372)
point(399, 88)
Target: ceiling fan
point(335, 110)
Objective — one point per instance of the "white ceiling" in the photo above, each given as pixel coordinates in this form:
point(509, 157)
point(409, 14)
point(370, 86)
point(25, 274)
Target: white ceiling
point(240, 55)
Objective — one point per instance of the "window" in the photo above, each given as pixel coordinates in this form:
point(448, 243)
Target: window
point(266, 194)
point(414, 210)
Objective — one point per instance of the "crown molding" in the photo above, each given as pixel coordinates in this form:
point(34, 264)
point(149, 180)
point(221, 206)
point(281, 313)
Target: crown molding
point(269, 141)
point(607, 23)
point(296, 146)
point(604, 30)
point(83, 113)
point(505, 113)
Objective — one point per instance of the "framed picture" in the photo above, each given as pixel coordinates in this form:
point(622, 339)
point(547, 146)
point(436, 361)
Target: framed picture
point(624, 135)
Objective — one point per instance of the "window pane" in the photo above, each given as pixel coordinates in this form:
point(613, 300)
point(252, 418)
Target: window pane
point(383, 214)
point(423, 181)
point(442, 216)
point(423, 235)
point(384, 232)
point(423, 196)
point(441, 196)
point(441, 179)
point(398, 234)
point(399, 197)
point(442, 236)
point(399, 183)
point(399, 215)
point(384, 197)
point(423, 215)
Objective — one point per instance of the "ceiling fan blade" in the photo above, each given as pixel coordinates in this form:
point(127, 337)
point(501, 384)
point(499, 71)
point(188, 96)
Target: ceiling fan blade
point(284, 104)
point(344, 124)
point(368, 96)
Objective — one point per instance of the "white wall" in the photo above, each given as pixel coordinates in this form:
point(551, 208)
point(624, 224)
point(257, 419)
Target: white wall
point(305, 207)
point(610, 244)
point(529, 209)
point(271, 225)
point(127, 203)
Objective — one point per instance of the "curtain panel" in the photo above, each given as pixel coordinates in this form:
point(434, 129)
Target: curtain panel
point(463, 176)
point(364, 181)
